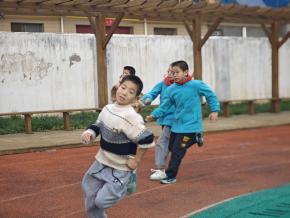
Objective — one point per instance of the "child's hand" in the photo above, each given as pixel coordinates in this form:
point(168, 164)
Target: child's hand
point(86, 137)
point(149, 118)
point(147, 101)
point(132, 163)
point(213, 116)
point(137, 106)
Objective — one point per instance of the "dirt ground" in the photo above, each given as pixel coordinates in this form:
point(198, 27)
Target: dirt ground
point(47, 184)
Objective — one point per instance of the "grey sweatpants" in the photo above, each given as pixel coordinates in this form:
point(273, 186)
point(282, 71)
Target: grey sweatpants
point(103, 186)
point(161, 149)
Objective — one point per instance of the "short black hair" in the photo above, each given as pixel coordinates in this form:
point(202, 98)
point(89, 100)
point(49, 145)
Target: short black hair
point(136, 80)
point(181, 64)
point(131, 70)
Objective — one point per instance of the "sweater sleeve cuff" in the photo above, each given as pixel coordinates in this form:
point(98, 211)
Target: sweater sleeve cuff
point(150, 145)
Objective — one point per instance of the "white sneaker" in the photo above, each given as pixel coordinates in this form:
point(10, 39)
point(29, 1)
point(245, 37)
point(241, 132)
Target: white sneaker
point(157, 174)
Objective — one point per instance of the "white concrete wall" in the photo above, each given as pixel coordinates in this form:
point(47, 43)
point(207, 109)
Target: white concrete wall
point(47, 71)
point(150, 55)
point(58, 71)
point(236, 68)
point(284, 70)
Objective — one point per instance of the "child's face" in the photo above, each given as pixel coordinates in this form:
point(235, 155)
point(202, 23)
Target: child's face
point(126, 93)
point(179, 74)
point(170, 73)
point(124, 73)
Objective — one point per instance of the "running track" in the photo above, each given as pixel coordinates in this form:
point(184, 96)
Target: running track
point(47, 184)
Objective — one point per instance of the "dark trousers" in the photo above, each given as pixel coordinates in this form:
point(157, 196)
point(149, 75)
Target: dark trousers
point(178, 144)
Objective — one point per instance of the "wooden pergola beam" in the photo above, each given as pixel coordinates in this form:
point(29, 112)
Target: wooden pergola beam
point(60, 6)
point(76, 3)
point(165, 10)
point(93, 24)
point(245, 19)
point(284, 39)
point(210, 31)
point(267, 32)
point(189, 30)
point(164, 6)
point(112, 29)
point(181, 5)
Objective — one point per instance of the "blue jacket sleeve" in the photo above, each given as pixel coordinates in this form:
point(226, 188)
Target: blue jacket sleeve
point(163, 107)
point(153, 93)
point(210, 96)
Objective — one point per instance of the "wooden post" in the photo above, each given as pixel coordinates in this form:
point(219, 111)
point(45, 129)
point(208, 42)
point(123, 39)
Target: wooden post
point(275, 67)
point(97, 24)
point(196, 28)
point(28, 123)
point(198, 42)
point(251, 108)
point(102, 39)
point(102, 62)
point(276, 44)
point(66, 123)
point(226, 109)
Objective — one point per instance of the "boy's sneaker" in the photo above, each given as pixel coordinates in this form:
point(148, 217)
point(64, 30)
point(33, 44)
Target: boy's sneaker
point(168, 181)
point(157, 174)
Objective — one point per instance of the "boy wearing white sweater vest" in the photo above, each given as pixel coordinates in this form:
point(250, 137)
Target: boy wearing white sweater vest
point(121, 130)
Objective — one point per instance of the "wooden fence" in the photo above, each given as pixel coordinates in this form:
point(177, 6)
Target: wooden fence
point(66, 113)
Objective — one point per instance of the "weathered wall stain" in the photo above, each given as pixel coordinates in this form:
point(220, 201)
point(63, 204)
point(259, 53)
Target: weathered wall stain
point(73, 59)
point(23, 67)
point(36, 74)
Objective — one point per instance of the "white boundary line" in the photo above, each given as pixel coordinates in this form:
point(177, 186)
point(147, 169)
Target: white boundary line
point(212, 205)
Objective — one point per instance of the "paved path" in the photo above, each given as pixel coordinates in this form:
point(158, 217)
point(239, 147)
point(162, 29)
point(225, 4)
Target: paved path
point(19, 143)
point(47, 184)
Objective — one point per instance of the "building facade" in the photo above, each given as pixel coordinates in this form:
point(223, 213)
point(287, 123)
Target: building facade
point(59, 24)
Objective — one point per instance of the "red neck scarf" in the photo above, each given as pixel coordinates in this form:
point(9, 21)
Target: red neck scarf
point(187, 78)
point(168, 81)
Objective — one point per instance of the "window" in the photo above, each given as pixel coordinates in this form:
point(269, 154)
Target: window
point(27, 27)
point(119, 30)
point(232, 30)
point(165, 31)
point(122, 30)
point(84, 29)
point(218, 32)
point(255, 32)
point(224, 30)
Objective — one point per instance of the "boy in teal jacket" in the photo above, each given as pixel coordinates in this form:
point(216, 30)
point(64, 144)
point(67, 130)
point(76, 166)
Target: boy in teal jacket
point(161, 149)
point(186, 97)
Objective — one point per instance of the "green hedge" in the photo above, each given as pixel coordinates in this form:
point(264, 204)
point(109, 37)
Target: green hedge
point(15, 124)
